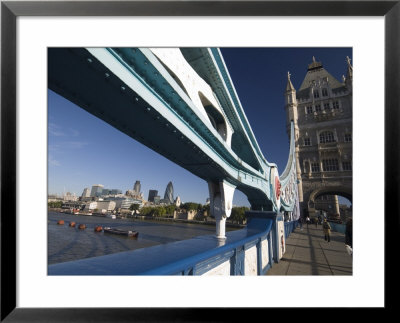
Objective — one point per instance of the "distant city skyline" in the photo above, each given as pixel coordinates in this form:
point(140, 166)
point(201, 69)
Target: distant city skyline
point(87, 191)
point(83, 150)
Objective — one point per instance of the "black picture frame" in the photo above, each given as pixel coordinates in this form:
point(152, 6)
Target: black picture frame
point(10, 10)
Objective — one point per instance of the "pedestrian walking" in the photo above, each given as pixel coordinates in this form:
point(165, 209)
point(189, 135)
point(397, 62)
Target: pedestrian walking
point(327, 230)
point(348, 240)
point(307, 221)
point(301, 223)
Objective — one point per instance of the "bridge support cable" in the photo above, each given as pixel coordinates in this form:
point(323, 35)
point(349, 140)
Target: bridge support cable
point(221, 200)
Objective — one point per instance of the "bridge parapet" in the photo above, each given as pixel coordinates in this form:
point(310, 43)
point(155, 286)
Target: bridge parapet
point(249, 251)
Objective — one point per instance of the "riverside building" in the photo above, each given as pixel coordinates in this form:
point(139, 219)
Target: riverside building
point(152, 195)
point(86, 192)
point(137, 187)
point(97, 190)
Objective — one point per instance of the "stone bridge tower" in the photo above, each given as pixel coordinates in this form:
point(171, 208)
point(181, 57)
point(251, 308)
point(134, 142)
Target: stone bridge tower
point(321, 110)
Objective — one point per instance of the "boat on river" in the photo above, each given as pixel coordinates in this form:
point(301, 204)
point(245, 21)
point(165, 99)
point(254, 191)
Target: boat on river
point(128, 233)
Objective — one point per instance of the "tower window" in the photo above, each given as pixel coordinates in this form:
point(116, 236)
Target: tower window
point(306, 167)
point(346, 165)
point(309, 110)
point(324, 92)
point(336, 105)
point(318, 108)
point(307, 142)
point(316, 93)
point(315, 167)
point(330, 165)
point(347, 137)
point(327, 106)
point(326, 136)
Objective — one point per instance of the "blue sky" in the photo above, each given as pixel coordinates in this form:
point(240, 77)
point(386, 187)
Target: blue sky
point(83, 150)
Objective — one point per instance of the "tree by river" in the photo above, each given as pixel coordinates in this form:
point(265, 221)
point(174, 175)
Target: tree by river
point(191, 206)
point(134, 207)
point(55, 204)
point(158, 211)
point(238, 214)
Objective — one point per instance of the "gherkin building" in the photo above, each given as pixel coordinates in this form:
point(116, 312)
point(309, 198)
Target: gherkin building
point(169, 193)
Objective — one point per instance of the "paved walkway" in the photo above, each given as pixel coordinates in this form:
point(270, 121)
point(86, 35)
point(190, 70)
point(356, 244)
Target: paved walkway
point(307, 253)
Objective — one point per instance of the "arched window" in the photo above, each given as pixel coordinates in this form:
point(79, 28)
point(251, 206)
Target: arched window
point(326, 136)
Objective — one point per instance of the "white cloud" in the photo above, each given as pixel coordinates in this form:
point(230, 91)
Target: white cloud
point(56, 130)
point(75, 144)
point(53, 162)
point(59, 131)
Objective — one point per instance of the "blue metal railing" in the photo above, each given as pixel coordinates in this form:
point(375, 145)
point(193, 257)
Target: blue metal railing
point(341, 228)
point(251, 250)
point(290, 227)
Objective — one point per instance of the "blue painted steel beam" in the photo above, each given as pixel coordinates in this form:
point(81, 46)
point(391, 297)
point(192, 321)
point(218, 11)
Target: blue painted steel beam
point(142, 112)
point(131, 90)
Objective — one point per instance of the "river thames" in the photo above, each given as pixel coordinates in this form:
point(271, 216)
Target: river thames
point(67, 243)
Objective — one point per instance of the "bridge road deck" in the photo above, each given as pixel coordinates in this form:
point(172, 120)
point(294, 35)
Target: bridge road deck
point(307, 253)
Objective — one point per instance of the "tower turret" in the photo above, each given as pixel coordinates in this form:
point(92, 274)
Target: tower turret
point(349, 75)
point(290, 93)
point(290, 105)
point(292, 115)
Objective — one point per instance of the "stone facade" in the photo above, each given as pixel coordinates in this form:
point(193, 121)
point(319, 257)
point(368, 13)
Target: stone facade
point(321, 110)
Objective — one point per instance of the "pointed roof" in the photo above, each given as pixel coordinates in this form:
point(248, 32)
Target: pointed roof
point(317, 72)
point(314, 65)
point(289, 85)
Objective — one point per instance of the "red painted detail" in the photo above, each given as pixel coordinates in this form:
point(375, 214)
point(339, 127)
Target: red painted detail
point(277, 188)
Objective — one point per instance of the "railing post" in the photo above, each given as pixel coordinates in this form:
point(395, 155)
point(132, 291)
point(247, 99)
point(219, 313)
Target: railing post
point(257, 219)
point(259, 257)
point(280, 236)
point(270, 251)
point(237, 264)
point(275, 241)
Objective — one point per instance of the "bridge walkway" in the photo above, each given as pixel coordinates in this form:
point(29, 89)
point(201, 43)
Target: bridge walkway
point(307, 253)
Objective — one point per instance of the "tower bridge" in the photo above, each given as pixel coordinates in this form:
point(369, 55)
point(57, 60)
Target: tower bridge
point(182, 104)
point(158, 97)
